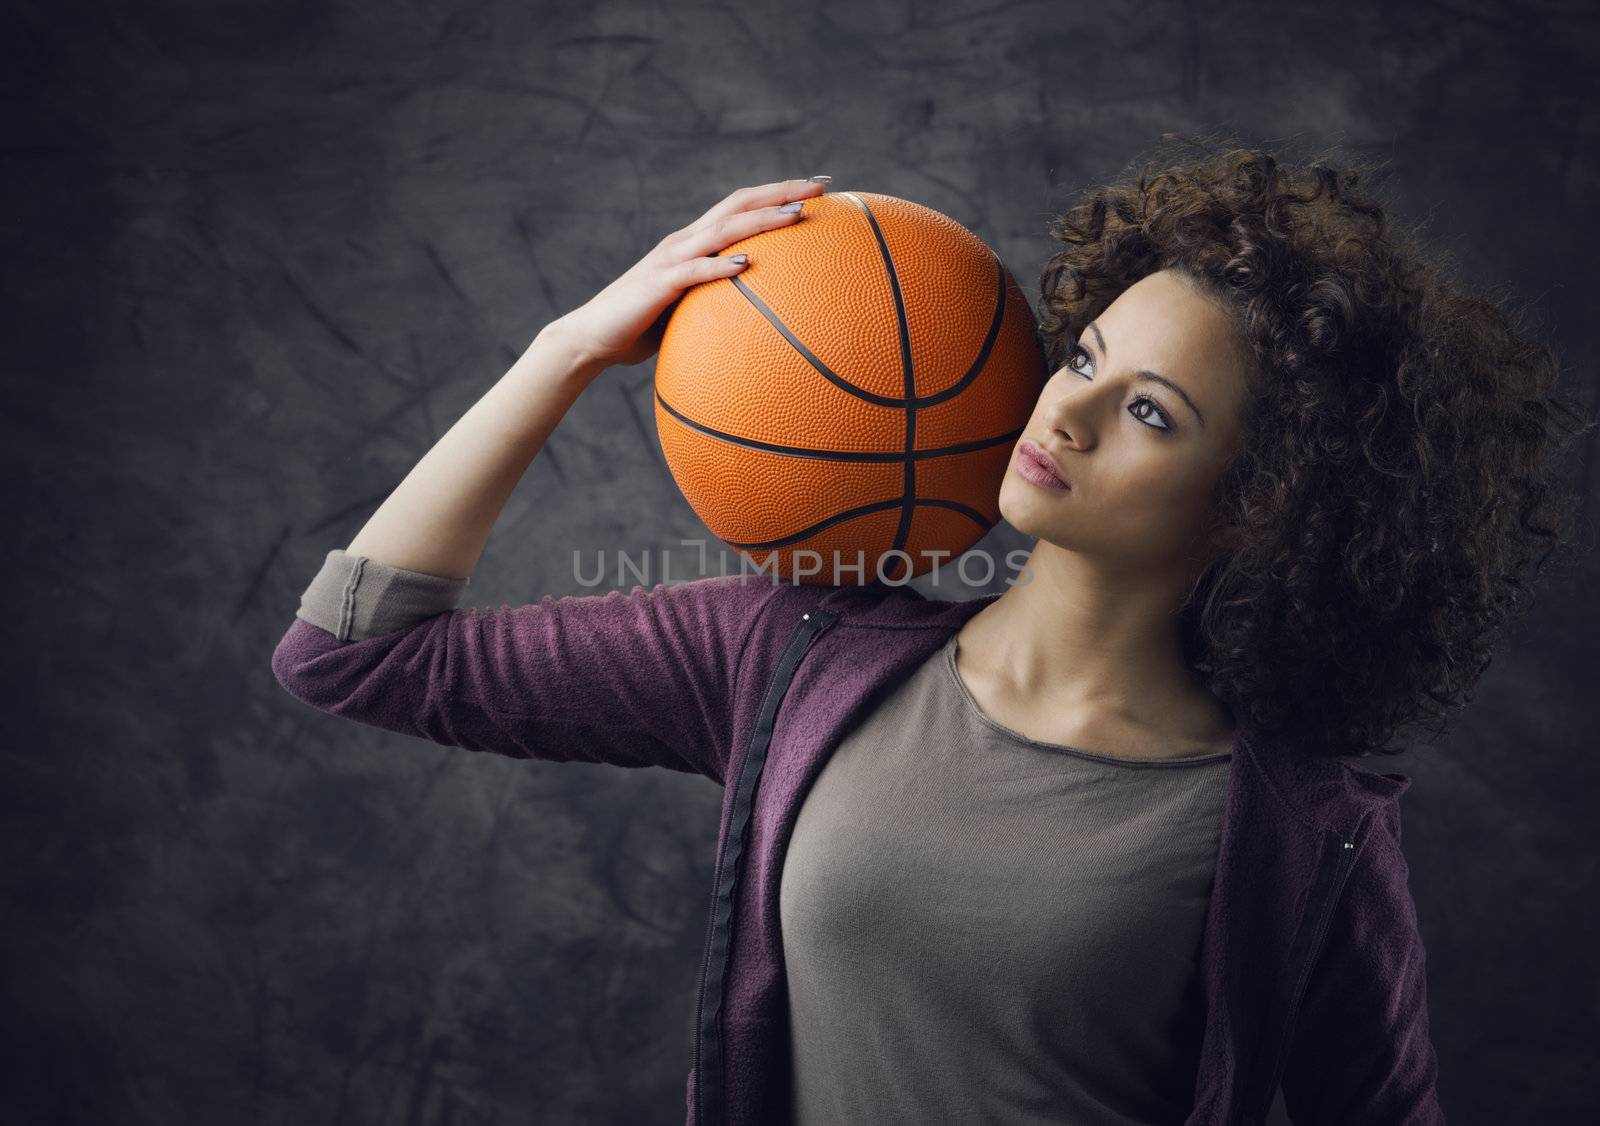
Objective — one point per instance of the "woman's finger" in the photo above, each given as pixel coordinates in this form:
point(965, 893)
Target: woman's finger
point(700, 241)
point(763, 195)
point(696, 270)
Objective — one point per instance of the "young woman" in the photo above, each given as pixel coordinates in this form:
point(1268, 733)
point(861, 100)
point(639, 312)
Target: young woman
point(1098, 848)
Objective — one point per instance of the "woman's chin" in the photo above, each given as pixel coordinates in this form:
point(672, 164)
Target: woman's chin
point(1028, 509)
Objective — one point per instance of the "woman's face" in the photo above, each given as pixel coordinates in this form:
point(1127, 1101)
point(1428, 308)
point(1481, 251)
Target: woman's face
point(1140, 457)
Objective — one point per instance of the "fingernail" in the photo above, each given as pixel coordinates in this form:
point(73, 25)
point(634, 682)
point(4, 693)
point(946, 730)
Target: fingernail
point(820, 179)
point(791, 207)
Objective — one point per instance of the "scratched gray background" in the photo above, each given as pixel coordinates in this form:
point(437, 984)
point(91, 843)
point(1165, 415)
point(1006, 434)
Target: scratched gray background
point(259, 256)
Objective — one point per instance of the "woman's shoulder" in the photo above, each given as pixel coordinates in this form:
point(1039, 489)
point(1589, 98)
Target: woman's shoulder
point(1326, 791)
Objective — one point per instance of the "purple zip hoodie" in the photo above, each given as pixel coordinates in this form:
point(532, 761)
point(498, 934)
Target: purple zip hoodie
point(1311, 957)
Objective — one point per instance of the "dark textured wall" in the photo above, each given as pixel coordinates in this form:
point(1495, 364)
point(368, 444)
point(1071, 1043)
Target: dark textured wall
point(259, 256)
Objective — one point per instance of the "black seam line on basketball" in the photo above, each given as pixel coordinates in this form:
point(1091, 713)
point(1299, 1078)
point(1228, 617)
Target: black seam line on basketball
point(887, 400)
point(877, 506)
point(908, 486)
point(996, 319)
point(861, 392)
point(908, 375)
point(836, 455)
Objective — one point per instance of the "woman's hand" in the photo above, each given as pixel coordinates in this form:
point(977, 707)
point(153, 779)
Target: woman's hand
point(624, 322)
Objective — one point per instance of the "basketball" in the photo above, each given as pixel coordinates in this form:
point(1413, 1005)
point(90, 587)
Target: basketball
point(843, 410)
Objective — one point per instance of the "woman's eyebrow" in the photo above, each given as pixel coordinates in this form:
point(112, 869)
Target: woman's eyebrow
point(1150, 375)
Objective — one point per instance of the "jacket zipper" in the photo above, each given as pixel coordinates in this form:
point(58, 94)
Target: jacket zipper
point(708, 1065)
point(1332, 869)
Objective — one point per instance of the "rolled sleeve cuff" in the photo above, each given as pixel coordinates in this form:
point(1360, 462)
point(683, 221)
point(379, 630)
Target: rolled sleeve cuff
point(355, 598)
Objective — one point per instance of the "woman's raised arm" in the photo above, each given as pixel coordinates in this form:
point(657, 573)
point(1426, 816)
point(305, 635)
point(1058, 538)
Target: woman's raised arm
point(439, 517)
point(645, 678)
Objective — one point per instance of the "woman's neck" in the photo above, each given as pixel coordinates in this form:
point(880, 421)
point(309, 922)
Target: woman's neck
point(1078, 639)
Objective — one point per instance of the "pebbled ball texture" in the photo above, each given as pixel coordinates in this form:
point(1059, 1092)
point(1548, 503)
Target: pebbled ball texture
point(856, 390)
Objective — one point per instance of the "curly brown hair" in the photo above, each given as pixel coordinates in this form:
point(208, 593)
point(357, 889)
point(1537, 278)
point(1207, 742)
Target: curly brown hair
point(1397, 491)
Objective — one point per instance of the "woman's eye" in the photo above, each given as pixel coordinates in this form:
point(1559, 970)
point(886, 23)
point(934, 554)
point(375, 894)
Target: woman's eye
point(1155, 412)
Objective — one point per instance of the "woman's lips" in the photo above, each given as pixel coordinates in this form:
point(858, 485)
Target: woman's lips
point(1035, 466)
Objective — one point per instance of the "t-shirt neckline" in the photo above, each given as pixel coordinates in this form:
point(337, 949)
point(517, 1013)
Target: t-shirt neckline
point(949, 658)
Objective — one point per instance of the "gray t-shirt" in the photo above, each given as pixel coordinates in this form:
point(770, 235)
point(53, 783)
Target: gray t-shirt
point(979, 927)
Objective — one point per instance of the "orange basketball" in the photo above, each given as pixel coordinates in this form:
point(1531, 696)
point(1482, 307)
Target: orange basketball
point(844, 408)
